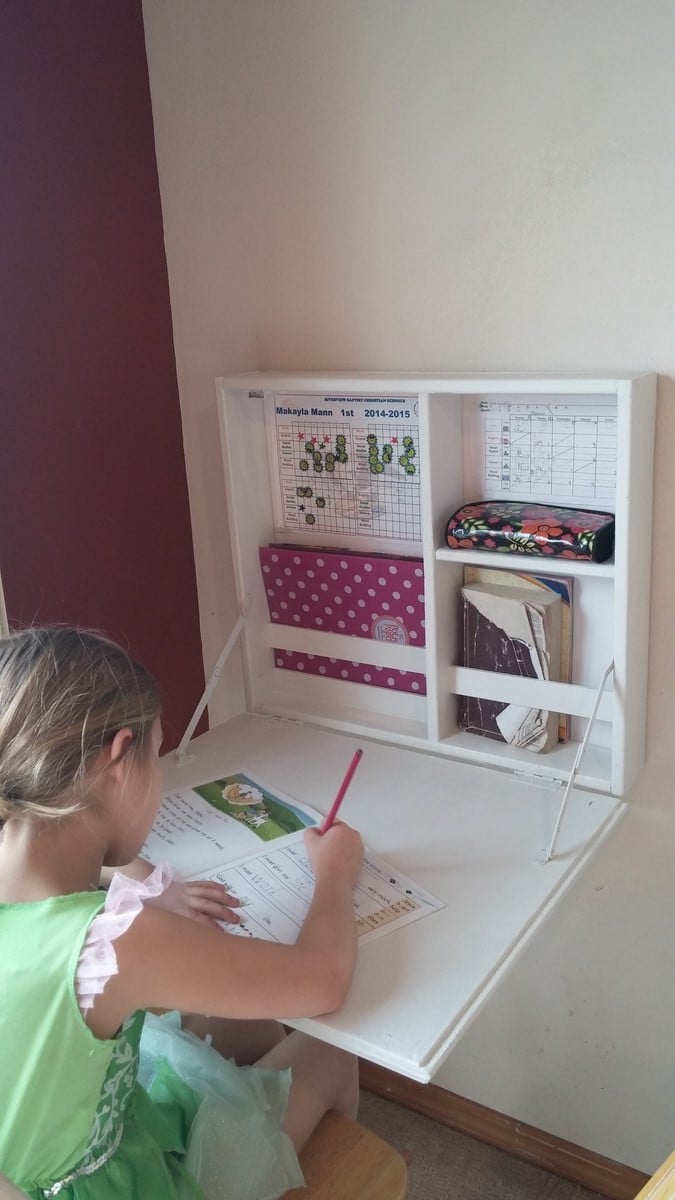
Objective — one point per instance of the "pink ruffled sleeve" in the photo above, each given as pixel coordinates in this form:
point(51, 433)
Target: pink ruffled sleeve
point(125, 899)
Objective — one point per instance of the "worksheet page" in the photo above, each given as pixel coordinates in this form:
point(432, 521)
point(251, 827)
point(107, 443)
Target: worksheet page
point(248, 836)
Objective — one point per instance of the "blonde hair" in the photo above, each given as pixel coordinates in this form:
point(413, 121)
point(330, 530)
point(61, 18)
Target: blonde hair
point(64, 694)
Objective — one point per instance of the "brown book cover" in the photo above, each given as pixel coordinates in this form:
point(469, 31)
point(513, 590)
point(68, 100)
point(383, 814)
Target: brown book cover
point(506, 629)
point(564, 586)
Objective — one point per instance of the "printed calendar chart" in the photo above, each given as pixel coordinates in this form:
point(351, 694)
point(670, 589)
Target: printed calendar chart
point(559, 451)
point(345, 466)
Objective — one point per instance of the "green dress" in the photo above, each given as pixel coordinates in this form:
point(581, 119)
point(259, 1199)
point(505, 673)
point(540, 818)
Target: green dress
point(74, 1120)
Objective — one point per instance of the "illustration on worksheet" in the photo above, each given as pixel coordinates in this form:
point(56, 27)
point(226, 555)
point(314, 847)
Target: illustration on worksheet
point(222, 819)
point(243, 799)
point(345, 465)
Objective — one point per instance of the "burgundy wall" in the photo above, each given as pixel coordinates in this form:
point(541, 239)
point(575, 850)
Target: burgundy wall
point(94, 522)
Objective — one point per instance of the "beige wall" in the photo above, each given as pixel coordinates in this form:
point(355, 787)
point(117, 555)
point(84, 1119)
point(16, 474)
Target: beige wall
point(452, 185)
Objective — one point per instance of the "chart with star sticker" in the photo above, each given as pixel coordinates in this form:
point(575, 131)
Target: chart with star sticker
point(345, 467)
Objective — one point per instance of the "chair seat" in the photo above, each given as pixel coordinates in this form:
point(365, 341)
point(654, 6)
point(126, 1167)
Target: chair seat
point(344, 1161)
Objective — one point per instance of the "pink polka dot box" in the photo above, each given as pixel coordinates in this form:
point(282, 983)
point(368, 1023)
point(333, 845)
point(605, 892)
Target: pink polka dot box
point(362, 595)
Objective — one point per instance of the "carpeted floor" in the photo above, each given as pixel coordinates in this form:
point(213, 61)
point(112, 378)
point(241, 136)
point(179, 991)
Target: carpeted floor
point(450, 1166)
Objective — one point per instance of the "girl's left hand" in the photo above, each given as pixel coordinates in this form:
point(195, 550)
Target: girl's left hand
point(202, 900)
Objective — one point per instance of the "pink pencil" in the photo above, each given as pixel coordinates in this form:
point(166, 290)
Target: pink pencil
point(328, 821)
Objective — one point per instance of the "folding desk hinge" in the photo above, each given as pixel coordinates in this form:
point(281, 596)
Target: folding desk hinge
point(545, 781)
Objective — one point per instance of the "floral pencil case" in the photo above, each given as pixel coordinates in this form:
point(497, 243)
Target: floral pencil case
point(512, 526)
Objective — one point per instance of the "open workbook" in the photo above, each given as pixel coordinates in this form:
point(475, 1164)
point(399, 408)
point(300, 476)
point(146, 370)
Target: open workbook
point(243, 834)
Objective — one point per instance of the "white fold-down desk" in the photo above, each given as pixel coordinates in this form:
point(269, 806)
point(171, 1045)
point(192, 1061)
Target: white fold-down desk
point(445, 824)
point(374, 465)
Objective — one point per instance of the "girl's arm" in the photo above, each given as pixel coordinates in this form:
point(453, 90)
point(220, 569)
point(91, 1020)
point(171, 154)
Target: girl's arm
point(200, 899)
point(166, 961)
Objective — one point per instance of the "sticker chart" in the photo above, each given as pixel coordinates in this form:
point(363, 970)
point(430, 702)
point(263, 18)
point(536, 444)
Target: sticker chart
point(560, 451)
point(275, 889)
point(345, 466)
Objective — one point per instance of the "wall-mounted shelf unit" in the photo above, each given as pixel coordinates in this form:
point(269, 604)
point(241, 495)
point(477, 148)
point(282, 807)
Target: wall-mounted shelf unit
point(611, 420)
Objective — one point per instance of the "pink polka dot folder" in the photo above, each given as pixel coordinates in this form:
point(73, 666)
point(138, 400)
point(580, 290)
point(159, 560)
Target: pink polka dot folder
point(362, 595)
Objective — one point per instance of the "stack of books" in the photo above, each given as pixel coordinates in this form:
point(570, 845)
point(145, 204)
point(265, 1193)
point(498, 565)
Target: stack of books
point(521, 628)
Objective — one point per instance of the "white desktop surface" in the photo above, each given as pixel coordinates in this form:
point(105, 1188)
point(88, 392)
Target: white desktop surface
point(468, 834)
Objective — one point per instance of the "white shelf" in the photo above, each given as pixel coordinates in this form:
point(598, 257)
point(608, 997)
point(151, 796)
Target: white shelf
point(340, 645)
point(521, 562)
point(611, 601)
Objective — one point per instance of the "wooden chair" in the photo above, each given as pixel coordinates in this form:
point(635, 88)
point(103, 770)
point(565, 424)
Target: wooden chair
point(661, 1186)
point(344, 1161)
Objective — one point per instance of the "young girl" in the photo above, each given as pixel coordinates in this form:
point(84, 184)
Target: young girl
point(80, 786)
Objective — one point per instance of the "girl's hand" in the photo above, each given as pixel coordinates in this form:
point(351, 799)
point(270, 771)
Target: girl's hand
point(339, 850)
point(201, 900)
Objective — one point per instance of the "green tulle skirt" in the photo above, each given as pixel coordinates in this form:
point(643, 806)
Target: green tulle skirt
point(197, 1128)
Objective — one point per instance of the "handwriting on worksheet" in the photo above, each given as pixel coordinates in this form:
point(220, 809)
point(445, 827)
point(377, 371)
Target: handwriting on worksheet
point(275, 889)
